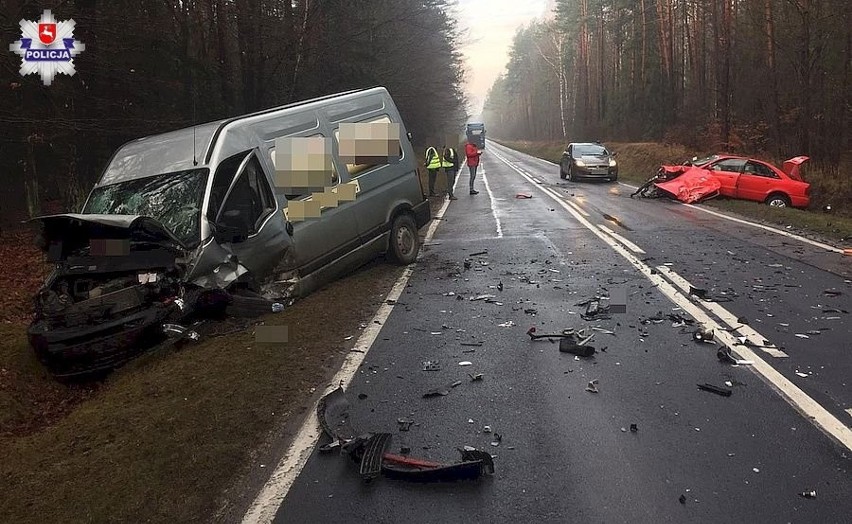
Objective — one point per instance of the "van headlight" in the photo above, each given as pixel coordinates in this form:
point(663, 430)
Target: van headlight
point(612, 162)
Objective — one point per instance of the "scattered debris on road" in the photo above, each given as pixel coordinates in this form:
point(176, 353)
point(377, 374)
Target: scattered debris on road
point(703, 335)
point(577, 346)
point(431, 365)
point(808, 494)
point(726, 356)
point(594, 311)
point(369, 449)
point(441, 391)
point(568, 333)
point(724, 392)
point(593, 386)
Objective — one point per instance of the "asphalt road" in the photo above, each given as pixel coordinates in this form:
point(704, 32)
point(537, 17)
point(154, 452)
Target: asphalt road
point(566, 454)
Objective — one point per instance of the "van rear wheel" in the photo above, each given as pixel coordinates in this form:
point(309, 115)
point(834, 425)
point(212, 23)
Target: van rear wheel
point(404, 244)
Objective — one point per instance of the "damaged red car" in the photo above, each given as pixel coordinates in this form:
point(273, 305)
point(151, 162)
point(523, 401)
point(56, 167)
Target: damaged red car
point(749, 179)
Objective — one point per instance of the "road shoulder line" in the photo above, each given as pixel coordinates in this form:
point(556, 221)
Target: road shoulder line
point(771, 229)
point(267, 502)
point(796, 397)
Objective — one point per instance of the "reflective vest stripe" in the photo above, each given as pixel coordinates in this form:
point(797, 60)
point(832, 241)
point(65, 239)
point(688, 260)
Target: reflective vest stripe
point(433, 160)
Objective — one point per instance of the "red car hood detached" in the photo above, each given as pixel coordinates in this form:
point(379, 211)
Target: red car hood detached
point(792, 166)
point(693, 185)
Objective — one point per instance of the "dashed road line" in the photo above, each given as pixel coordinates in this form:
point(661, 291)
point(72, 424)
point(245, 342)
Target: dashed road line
point(630, 245)
point(771, 229)
point(794, 395)
point(578, 208)
point(726, 316)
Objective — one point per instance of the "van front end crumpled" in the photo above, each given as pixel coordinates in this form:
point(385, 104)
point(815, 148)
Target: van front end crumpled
point(198, 222)
point(118, 282)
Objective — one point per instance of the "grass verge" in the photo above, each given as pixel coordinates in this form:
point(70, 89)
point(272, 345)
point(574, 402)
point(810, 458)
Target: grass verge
point(161, 439)
point(638, 161)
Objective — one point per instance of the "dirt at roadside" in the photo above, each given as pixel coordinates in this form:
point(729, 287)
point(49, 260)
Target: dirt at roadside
point(23, 272)
point(164, 437)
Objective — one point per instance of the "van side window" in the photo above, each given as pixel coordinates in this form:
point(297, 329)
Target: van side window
point(356, 170)
point(222, 179)
point(305, 192)
point(250, 199)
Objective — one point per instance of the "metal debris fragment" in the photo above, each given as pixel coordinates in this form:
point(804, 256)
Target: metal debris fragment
point(724, 392)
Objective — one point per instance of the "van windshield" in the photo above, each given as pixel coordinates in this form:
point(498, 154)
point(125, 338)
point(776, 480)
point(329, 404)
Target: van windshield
point(173, 199)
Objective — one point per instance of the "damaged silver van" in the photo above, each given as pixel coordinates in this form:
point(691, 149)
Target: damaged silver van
point(277, 203)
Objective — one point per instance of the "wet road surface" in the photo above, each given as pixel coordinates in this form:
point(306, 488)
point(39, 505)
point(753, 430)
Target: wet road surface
point(566, 454)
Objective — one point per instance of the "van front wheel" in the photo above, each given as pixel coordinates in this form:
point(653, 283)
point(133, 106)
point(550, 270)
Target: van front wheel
point(404, 241)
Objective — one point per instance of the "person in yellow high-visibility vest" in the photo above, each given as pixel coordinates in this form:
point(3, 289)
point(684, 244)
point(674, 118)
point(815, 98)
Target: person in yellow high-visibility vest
point(433, 164)
point(450, 163)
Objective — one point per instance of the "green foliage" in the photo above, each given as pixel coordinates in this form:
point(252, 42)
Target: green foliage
point(153, 66)
point(765, 76)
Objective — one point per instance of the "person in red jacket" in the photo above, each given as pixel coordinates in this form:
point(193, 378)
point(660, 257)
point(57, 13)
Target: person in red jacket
point(472, 153)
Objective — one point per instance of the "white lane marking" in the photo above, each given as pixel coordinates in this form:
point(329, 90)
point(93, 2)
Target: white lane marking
point(727, 217)
point(493, 204)
point(768, 228)
point(808, 407)
point(578, 208)
point(849, 411)
point(272, 495)
point(726, 316)
point(630, 245)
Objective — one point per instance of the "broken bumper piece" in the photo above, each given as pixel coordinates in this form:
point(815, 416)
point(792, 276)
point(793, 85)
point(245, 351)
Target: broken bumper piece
point(369, 450)
point(77, 351)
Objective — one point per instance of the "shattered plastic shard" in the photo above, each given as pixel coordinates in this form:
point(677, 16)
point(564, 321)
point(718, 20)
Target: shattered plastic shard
point(431, 365)
point(441, 391)
point(724, 355)
point(702, 335)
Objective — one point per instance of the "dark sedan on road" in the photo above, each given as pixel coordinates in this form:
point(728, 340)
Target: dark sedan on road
point(588, 160)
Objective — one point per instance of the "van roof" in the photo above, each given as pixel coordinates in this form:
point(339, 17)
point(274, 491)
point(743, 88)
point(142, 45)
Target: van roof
point(187, 148)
